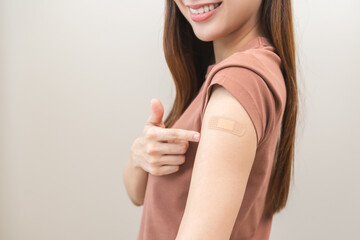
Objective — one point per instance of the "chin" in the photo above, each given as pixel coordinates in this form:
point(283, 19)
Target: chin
point(205, 34)
point(205, 37)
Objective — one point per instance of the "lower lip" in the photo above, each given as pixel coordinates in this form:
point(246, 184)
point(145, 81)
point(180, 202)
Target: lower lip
point(203, 16)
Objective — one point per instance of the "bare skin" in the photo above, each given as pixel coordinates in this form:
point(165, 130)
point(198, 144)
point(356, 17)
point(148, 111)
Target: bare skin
point(221, 170)
point(158, 151)
point(235, 24)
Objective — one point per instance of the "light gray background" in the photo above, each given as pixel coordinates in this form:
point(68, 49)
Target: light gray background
point(76, 80)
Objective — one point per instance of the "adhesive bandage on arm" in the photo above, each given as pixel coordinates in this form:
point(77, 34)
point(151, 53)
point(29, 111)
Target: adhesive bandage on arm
point(226, 124)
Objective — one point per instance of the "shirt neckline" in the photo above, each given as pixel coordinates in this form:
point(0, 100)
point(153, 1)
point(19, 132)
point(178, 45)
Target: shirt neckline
point(260, 40)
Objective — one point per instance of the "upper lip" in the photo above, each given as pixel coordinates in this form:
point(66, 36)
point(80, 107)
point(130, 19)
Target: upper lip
point(196, 6)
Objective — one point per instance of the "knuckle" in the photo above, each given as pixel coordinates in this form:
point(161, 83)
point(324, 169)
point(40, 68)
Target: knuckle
point(153, 160)
point(183, 147)
point(173, 134)
point(135, 143)
point(151, 133)
point(151, 148)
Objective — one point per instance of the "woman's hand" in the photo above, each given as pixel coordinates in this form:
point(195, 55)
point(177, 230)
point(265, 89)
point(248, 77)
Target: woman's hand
point(161, 150)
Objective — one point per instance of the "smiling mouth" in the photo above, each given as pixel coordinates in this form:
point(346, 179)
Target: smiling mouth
point(205, 8)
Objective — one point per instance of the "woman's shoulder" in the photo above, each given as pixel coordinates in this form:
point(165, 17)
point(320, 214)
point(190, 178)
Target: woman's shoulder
point(261, 62)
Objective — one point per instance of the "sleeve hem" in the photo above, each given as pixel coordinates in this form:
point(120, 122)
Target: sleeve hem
point(244, 98)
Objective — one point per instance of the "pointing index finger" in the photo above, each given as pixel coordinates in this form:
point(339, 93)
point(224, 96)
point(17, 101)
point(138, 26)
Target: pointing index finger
point(181, 134)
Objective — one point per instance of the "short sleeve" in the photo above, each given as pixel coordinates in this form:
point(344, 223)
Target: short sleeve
point(251, 91)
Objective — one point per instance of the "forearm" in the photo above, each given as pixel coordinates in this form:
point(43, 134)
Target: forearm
point(135, 181)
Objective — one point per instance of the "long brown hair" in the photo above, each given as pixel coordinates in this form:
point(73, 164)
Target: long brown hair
point(188, 57)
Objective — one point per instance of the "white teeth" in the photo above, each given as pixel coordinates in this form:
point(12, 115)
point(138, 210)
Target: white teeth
point(204, 9)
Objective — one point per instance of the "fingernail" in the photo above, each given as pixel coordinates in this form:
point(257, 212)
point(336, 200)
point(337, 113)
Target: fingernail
point(196, 136)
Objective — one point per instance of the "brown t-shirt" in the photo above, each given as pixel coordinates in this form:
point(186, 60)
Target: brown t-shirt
point(253, 76)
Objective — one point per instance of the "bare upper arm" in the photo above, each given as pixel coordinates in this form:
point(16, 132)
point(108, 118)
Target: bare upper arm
point(221, 169)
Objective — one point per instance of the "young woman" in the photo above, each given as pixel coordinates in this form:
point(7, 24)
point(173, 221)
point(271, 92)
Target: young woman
point(233, 64)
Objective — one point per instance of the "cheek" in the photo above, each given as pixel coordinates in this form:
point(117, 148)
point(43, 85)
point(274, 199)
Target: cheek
point(227, 19)
point(234, 15)
point(181, 7)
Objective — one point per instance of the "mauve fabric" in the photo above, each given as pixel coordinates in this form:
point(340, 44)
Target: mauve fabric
point(253, 76)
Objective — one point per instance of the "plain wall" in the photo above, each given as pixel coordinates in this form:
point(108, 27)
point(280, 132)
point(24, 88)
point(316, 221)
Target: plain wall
point(76, 80)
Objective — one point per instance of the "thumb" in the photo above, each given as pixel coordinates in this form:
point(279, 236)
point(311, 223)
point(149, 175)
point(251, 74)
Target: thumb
point(157, 112)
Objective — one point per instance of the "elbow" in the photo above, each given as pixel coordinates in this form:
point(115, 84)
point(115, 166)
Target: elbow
point(137, 199)
point(137, 203)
